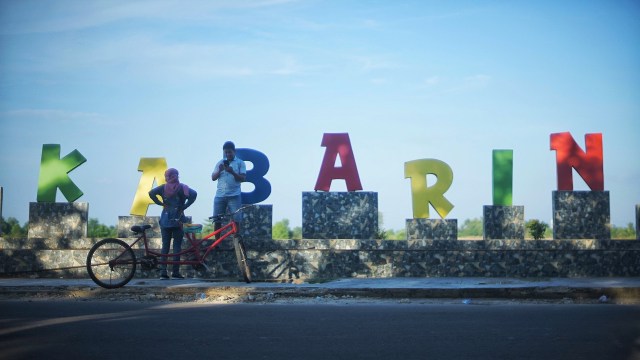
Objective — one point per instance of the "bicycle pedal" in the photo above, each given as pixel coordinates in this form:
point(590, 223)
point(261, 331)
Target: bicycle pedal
point(201, 267)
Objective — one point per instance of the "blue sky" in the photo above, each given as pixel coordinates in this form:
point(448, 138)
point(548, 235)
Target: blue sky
point(449, 80)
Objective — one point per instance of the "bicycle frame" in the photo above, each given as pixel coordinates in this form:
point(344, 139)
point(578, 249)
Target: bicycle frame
point(122, 260)
point(194, 246)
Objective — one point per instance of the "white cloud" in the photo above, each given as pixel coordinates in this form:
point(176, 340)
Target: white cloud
point(289, 67)
point(144, 57)
point(31, 16)
point(53, 115)
point(378, 81)
point(370, 24)
point(477, 80)
point(471, 83)
point(372, 63)
point(432, 81)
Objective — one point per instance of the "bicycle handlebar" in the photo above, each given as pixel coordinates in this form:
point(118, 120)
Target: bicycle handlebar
point(229, 215)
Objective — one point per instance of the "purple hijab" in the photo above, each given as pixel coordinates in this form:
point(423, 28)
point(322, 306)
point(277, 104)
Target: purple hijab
point(173, 184)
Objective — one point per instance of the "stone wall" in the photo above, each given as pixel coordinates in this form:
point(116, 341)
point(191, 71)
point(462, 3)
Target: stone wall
point(581, 215)
point(256, 223)
point(126, 222)
point(58, 220)
point(332, 258)
point(638, 222)
point(1, 196)
point(503, 222)
point(339, 215)
point(432, 229)
point(319, 259)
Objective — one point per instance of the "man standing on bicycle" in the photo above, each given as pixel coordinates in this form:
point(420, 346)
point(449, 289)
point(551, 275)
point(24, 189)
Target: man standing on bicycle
point(176, 197)
point(229, 172)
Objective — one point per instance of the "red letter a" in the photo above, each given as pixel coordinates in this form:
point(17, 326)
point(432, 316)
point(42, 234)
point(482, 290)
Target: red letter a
point(338, 144)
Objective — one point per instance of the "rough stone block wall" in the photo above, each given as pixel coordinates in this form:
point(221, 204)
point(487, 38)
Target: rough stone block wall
point(581, 215)
point(28, 257)
point(638, 222)
point(310, 259)
point(503, 222)
point(339, 215)
point(432, 229)
point(126, 222)
point(58, 220)
point(257, 222)
point(328, 259)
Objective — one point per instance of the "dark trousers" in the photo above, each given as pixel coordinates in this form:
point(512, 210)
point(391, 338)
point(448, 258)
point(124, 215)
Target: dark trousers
point(177, 234)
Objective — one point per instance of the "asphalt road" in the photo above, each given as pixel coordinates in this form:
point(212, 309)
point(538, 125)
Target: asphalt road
point(137, 330)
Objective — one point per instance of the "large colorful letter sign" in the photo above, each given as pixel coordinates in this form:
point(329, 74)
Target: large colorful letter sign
point(54, 174)
point(502, 177)
point(152, 169)
point(338, 144)
point(421, 194)
point(256, 176)
point(570, 156)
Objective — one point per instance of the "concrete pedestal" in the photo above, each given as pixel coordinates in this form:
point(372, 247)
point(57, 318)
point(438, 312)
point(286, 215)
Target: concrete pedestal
point(637, 222)
point(432, 229)
point(503, 222)
point(58, 220)
point(257, 222)
point(1, 191)
point(339, 215)
point(126, 222)
point(581, 215)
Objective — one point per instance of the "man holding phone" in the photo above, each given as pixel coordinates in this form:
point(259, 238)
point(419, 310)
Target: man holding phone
point(230, 172)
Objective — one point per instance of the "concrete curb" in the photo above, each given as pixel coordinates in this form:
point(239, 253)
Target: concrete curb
point(150, 290)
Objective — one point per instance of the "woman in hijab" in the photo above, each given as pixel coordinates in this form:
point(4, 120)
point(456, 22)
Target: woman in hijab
point(176, 197)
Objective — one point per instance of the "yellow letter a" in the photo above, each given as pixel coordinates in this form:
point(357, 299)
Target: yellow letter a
point(152, 169)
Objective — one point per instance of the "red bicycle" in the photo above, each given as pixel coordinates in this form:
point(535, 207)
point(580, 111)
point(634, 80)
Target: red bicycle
point(111, 263)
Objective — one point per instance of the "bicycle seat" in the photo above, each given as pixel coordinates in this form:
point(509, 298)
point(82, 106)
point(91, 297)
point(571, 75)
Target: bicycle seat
point(140, 228)
point(192, 228)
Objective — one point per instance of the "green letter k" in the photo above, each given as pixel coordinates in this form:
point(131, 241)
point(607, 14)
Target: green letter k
point(54, 174)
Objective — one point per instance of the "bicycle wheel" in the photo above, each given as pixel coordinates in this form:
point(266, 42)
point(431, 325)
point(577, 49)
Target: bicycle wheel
point(241, 256)
point(111, 263)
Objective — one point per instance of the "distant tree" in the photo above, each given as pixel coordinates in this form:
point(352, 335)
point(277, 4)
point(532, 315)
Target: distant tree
point(97, 230)
point(207, 226)
point(537, 228)
point(623, 233)
point(470, 227)
point(297, 233)
point(397, 234)
point(11, 228)
point(401, 234)
point(281, 230)
point(381, 233)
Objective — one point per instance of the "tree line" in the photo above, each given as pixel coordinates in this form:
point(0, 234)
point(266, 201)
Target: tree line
point(11, 229)
point(469, 229)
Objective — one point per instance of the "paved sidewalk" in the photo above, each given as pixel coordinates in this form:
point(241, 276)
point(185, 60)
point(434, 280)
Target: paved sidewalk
point(610, 290)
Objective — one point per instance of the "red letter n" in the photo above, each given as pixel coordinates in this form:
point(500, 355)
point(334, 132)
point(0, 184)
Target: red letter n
point(338, 144)
point(570, 156)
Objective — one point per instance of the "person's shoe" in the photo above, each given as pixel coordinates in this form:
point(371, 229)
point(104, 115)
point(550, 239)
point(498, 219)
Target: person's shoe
point(177, 276)
point(164, 277)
